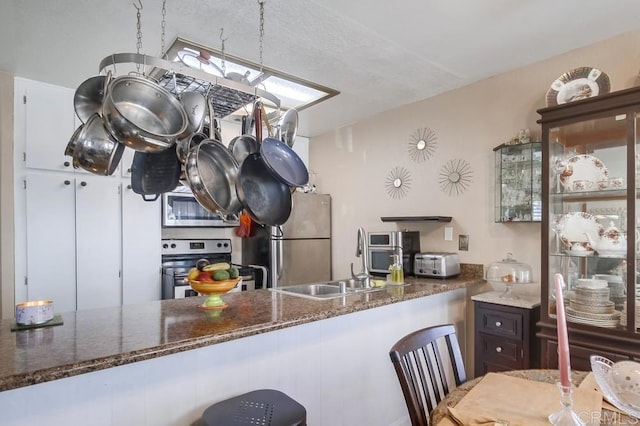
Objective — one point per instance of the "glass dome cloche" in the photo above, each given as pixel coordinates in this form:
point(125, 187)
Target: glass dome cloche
point(509, 272)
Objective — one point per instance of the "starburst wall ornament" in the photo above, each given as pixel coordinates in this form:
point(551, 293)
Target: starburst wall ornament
point(422, 144)
point(455, 177)
point(398, 182)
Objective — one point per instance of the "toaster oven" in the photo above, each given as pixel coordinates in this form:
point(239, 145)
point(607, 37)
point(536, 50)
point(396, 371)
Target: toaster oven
point(436, 264)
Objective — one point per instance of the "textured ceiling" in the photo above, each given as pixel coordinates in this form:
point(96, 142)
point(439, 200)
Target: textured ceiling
point(379, 55)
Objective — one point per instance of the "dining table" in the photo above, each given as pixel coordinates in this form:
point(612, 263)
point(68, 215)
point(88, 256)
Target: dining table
point(605, 414)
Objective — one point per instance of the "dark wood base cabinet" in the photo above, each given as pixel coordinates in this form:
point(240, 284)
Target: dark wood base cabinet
point(505, 338)
point(582, 345)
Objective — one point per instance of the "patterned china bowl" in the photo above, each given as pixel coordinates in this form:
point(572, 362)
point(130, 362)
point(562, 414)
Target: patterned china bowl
point(619, 383)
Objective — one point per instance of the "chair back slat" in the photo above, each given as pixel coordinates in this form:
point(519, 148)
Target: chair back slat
point(425, 370)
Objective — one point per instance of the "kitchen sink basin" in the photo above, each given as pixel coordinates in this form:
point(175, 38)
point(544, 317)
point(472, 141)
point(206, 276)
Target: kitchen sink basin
point(322, 291)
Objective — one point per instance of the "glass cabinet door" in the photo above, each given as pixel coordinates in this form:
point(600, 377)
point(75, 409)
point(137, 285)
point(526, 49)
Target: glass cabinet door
point(589, 223)
point(518, 184)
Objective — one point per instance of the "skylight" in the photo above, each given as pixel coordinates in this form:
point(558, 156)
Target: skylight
point(292, 92)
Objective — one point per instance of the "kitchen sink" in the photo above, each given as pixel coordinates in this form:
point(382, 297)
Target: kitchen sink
point(323, 291)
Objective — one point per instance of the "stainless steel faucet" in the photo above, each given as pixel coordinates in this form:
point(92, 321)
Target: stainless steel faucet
point(363, 278)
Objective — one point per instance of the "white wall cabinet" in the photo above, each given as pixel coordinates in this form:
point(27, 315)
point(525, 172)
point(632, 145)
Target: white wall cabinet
point(82, 240)
point(50, 247)
point(141, 248)
point(47, 121)
point(73, 240)
point(98, 242)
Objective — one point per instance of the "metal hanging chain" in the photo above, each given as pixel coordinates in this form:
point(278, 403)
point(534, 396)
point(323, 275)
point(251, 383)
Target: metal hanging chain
point(164, 24)
point(261, 3)
point(138, 31)
point(223, 66)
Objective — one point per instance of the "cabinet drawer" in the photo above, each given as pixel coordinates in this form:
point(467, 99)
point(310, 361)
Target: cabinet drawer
point(500, 350)
point(500, 323)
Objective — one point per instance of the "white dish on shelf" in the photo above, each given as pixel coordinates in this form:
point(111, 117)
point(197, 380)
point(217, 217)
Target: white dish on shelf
point(612, 253)
point(574, 225)
point(585, 168)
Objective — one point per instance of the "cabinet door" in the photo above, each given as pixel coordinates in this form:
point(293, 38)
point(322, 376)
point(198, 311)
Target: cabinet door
point(98, 241)
point(49, 123)
point(51, 248)
point(141, 251)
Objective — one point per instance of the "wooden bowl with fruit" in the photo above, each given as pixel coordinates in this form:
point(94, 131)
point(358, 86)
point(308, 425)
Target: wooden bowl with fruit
point(213, 280)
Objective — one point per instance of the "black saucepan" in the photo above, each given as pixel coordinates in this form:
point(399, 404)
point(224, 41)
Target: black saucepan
point(264, 197)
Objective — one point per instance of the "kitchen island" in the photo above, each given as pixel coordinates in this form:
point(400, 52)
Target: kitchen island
point(164, 362)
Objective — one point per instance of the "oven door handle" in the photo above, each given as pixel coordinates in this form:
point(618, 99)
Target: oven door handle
point(264, 274)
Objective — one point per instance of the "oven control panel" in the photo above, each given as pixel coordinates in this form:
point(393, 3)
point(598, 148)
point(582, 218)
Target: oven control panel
point(186, 247)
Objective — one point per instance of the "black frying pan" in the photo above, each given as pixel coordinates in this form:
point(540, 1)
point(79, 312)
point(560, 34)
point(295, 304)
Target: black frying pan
point(264, 197)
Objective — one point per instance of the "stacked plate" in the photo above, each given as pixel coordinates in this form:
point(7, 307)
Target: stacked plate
point(617, 288)
point(590, 304)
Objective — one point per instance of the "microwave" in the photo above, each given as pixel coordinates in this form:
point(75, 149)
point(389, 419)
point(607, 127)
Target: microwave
point(383, 245)
point(180, 209)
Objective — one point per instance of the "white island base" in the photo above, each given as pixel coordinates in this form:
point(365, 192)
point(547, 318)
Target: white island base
point(338, 368)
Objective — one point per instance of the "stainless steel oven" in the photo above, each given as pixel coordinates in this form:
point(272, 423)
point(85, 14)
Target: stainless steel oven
point(383, 245)
point(178, 256)
point(181, 209)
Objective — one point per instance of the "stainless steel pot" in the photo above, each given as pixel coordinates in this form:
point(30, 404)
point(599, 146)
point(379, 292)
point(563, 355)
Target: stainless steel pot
point(93, 148)
point(87, 99)
point(184, 145)
point(195, 105)
point(212, 174)
point(143, 115)
point(288, 127)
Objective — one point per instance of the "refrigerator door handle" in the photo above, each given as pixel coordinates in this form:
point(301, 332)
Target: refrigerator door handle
point(280, 244)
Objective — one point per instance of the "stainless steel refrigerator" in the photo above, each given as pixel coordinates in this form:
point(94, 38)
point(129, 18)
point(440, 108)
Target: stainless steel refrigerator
point(298, 251)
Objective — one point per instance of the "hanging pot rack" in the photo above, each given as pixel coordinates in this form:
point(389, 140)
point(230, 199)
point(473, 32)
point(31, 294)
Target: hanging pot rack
point(227, 95)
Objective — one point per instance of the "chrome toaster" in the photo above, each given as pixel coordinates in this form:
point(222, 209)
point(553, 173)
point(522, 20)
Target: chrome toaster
point(436, 264)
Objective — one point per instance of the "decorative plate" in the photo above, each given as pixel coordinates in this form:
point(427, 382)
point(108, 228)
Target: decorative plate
point(583, 168)
point(574, 225)
point(579, 83)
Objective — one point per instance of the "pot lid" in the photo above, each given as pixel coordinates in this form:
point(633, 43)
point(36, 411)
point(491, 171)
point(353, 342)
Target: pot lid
point(509, 270)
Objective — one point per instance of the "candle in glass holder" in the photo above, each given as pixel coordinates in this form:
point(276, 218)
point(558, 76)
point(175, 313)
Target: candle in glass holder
point(564, 363)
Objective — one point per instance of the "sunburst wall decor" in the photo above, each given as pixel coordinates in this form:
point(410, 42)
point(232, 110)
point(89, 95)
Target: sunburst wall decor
point(422, 144)
point(398, 182)
point(455, 177)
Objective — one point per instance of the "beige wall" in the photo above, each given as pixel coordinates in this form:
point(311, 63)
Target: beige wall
point(352, 162)
point(6, 196)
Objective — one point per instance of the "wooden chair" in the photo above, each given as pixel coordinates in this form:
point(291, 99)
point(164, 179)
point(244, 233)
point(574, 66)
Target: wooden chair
point(425, 370)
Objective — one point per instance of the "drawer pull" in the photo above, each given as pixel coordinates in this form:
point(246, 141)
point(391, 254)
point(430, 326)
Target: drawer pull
point(498, 323)
point(498, 349)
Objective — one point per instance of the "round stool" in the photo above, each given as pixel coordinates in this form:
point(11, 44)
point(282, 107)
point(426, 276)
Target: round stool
point(263, 407)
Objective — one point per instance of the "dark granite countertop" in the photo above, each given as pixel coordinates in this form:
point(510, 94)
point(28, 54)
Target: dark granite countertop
point(97, 339)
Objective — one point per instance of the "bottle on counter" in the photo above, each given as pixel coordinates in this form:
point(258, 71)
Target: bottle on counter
point(397, 273)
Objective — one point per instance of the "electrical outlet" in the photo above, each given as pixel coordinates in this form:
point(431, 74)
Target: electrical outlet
point(448, 233)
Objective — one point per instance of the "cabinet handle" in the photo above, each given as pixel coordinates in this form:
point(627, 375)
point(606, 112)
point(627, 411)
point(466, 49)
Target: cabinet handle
point(66, 164)
point(129, 170)
point(498, 323)
point(128, 186)
point(83, 183)
point(67, 182)
point(498, 349)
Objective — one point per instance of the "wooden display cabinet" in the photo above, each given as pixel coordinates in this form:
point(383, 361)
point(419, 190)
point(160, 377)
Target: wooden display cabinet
point(590, 187)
